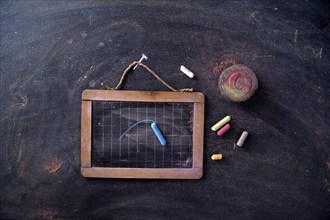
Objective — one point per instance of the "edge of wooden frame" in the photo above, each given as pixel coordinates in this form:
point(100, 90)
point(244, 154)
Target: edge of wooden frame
point(142, 96)
point(86, 133)
point(198, 135)
point(196, 172)
point(142, 173)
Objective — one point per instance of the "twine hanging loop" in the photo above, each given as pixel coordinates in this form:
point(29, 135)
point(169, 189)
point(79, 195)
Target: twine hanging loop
point(124, 74)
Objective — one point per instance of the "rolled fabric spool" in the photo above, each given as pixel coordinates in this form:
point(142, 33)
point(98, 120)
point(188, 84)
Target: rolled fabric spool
point(237, 83)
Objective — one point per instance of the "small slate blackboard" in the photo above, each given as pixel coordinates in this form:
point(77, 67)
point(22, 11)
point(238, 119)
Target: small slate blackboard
point(118, 141)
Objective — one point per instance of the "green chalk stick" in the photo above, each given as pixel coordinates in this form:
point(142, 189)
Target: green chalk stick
point(221, 123)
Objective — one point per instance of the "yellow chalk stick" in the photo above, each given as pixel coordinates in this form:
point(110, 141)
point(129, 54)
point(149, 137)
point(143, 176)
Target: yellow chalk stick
point(216, 157)
point(221, 123)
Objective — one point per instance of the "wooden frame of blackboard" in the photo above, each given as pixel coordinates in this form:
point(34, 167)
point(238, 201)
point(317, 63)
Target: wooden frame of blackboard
point(196, 98)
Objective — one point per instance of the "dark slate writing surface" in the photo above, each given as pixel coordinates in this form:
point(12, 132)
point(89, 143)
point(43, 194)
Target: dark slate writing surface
point(114, 145)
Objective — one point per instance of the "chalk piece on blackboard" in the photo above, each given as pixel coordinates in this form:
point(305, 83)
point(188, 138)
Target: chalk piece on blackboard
point(223, 129)
point(187, 72)
point(158, 133)
point(241, 140)
point(216, 157)
point(221, 123)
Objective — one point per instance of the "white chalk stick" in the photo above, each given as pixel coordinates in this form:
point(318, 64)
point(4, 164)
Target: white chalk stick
point(187, 72)
point(241, 140)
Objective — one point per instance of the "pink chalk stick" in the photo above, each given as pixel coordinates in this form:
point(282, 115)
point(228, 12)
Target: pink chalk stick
point(223, 129)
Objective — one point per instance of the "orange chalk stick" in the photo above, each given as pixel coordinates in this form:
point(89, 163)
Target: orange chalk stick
point(216, 157)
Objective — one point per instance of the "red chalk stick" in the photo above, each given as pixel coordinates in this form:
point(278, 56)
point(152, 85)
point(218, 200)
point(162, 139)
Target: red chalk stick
point(223, 129)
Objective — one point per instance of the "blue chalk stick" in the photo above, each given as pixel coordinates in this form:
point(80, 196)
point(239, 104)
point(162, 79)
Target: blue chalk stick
point(158, 133)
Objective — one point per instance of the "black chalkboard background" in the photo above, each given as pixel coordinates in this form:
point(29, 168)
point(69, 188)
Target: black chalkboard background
point(52, 50)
